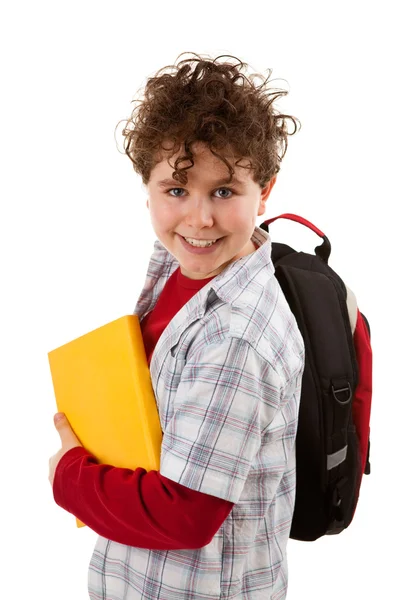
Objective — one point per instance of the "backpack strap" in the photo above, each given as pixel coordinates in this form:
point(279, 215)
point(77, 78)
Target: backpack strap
point(317, 298)
point(323, 251)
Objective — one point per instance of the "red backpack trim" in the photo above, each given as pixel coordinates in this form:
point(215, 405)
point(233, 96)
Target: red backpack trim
point(363, 393)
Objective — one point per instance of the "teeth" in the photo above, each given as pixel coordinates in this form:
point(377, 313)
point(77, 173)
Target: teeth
point(202, 244)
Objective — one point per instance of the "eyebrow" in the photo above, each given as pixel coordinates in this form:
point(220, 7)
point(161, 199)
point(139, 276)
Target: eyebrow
point(168, 182)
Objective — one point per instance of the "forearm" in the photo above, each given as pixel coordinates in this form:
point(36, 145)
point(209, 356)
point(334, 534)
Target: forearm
point(134, 507)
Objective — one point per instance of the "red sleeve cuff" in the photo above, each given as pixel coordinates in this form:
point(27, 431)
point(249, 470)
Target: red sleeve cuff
point(69, 457)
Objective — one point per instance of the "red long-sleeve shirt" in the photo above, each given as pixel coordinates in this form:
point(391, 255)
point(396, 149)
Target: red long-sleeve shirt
point(136, 507)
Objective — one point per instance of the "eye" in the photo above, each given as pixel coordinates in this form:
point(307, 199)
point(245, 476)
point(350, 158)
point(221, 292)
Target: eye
point(227, 190)
point(221, 188)
point(173, 190)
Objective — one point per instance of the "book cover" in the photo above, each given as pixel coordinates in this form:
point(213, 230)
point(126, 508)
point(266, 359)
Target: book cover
point(102, 383)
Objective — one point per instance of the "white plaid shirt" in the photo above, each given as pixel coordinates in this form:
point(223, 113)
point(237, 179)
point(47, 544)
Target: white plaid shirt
point(226, 375)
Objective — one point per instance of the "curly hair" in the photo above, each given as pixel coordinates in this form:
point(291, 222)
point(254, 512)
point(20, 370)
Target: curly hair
point(214, 104)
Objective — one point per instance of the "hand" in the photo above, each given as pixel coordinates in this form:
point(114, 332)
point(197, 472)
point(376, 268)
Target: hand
point(68, 441)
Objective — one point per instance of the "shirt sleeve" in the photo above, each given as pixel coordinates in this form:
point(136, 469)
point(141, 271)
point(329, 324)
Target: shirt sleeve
point(227, 395)
point(134, 507)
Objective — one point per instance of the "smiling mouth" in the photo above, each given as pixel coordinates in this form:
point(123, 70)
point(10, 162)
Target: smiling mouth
point(201, 243)
point(201, 240)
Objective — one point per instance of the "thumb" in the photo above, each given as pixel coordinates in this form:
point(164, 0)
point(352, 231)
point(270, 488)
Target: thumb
point(67, 435)
point(58, 417)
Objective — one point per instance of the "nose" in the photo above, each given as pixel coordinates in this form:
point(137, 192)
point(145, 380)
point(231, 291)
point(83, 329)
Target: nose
point(199, 213)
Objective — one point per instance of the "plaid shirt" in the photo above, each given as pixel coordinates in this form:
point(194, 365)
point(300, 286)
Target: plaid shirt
point(226, 376)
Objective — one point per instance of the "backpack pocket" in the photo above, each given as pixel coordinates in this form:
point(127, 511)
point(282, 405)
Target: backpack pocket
point(343, 489)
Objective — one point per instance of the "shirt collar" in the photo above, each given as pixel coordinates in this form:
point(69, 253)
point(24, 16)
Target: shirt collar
point(229, 284)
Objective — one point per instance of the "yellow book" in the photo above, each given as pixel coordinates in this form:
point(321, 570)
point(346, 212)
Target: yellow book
point(102, 383)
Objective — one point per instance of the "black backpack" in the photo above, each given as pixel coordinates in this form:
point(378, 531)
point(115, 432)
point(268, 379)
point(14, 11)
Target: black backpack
point(333, 441)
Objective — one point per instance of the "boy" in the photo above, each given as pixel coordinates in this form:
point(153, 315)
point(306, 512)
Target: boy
point(226, 360)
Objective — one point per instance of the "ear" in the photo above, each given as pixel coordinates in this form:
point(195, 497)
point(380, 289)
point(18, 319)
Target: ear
point(147, 203)
point(265, 192)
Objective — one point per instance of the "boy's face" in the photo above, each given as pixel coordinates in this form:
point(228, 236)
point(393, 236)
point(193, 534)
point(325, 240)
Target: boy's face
point(207, 210)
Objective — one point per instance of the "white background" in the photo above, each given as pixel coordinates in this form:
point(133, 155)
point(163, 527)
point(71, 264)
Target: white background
point(76, 236)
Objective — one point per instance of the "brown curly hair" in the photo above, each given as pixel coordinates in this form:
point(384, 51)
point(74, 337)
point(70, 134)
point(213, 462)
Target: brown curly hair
point(214, 104)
